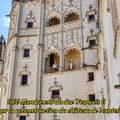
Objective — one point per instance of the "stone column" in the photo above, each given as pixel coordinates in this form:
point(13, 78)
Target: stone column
point(61, 50)
point(82, 37)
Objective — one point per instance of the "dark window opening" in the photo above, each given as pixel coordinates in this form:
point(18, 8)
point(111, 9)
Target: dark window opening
point(22, 117)
point(71, 17)
point(24, 79)
point(92, 97)
point(29, 24)
point(55, 94)
point(92, 43)
point(53, 21)
point(51, 60)
point(26, 52)
point(91, 17)
point(91, 76)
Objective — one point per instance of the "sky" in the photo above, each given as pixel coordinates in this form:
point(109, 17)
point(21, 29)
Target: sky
point(5, 7)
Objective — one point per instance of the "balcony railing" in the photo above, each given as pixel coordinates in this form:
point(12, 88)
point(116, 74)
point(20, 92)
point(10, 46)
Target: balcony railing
point(66, 26)
point(71, 25)
point(53, 29)
point(28, 32)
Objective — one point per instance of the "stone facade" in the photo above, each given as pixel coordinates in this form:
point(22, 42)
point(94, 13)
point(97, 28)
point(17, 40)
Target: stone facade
point(61, 31)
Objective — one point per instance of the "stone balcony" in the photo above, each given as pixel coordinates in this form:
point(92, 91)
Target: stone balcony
point(66, 26)
point(28, 32)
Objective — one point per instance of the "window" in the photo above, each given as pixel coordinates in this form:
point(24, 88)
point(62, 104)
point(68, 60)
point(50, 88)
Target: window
point(55, 94)
point(22, 117)
point(92, 43)
point(26, 52)
point(91, 76)
point(71, 17)
point(24, 79)
point(91, 17)
point(92, 97)
point(53, 21)
point(29, 24)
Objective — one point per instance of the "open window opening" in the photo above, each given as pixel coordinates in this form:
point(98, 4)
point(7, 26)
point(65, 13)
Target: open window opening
point(53, 21)
point(72, 59)
point(71, 17)
point(52, 63)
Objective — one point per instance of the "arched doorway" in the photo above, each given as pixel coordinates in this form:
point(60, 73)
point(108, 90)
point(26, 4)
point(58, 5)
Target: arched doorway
point(52, 63)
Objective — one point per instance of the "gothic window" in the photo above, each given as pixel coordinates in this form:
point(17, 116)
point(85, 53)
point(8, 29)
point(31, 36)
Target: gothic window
point(22, 117)
point(24, 80)
point(92, 97)
point(29, 24)
point(55, 94)
point(26, 52)
point(71, 17)
point(91, 76)
point(53, 21)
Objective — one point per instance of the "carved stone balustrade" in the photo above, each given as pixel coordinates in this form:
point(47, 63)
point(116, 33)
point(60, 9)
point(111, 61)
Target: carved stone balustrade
point(28, 32)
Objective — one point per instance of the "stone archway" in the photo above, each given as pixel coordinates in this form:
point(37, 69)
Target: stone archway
point(74, 55)
point(51, 59)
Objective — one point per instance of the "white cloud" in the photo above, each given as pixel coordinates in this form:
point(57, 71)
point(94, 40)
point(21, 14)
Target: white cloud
point(6, 21)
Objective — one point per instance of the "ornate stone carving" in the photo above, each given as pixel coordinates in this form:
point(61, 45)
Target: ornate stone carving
point(91, 10)
point(69, 4)
point(53, 40)
point(53, 7)
point(71, 47)
point(53, 14)
point(27, 45)
point(72, 37)
point(105, 66)
point(117, 36)
point(31, 3)
point(30, 17)
point(25, 71)
point(55, 86)
point(51, 50)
